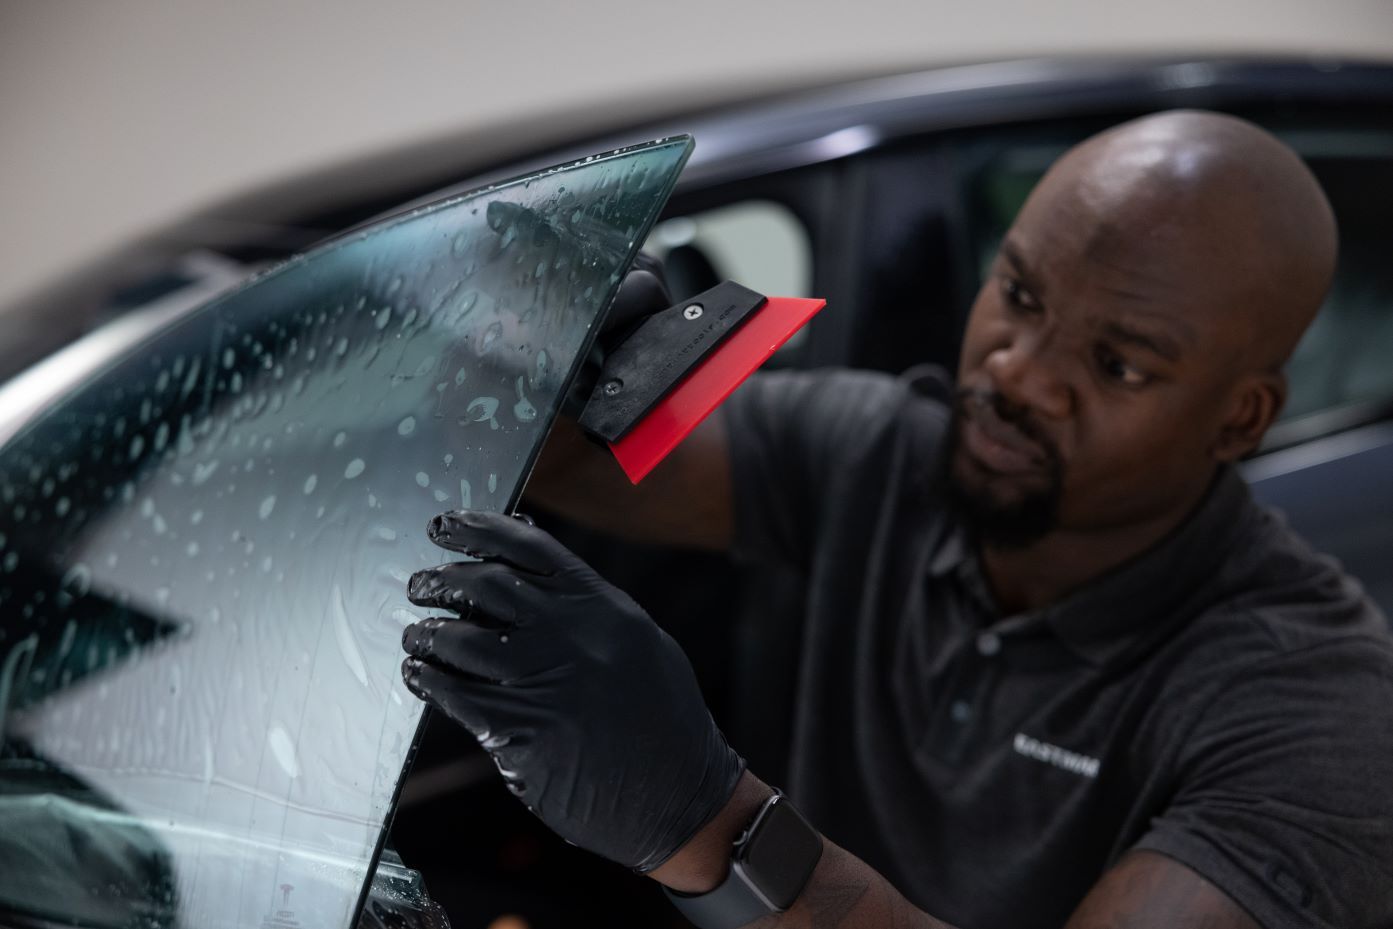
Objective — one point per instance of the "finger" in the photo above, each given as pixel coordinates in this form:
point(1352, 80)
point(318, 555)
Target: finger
point(497, 537)
point(442, 689)
point(484, 654)
point(642, 293)
point(479, 591)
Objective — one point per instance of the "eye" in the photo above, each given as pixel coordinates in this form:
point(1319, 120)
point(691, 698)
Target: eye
point(1017, 296)
point(1118, 371)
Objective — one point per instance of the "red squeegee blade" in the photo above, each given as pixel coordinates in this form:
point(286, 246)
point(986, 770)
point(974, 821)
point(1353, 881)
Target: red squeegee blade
point(701, 391)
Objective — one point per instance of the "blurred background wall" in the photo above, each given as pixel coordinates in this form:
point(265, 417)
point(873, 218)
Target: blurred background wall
point(118, 116)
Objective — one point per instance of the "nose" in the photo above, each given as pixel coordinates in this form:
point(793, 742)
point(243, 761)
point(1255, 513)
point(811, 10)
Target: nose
point(1026, 373)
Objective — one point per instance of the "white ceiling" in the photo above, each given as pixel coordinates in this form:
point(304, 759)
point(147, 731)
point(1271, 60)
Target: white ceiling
point(118, 116)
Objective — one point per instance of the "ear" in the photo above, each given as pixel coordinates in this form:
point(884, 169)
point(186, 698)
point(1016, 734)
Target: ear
point(1255, 403)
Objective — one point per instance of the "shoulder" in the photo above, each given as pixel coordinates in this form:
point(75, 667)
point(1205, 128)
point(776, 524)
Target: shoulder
point(842, 400)
point(1283, 593)
point(1271, 738)
point(1284, 613)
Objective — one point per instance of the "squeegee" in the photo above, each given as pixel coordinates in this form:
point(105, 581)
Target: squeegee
point(680, 364)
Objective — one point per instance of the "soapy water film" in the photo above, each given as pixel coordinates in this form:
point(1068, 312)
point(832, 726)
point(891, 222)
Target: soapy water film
point(203, 552)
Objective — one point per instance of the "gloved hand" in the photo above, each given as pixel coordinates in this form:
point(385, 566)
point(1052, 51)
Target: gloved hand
point(591, 712)
point(642, 293)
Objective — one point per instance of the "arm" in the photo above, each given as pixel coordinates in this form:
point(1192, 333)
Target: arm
point(1145, 890)
point(685, 501)
point(560, 675)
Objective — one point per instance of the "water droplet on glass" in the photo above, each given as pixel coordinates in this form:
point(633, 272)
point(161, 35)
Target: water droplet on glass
point(523, 409)
point(158, 524)
point(483, 409)
point(459, 377)
point(191, 549)
point(229, 358)
point(201, 472)
point(77, 580)
point(395, 285)
point(422, 479)
point(195, 517)
point(493, 482)
point(283, 750)
point(355, 468)
point(466, 500)
point(310, 482)
point(341, 347)
point(267, 506)
point(406, 426)
point(467, 304)
point(441, 496)
point(339, 439)
point(137, 446)
point(541, 366)
point(382, 318)
point(62, 506)
point(491, 335)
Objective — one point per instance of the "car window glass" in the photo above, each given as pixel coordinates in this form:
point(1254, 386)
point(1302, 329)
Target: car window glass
point(1341, 363)
point(758, 243)
point(203, 551)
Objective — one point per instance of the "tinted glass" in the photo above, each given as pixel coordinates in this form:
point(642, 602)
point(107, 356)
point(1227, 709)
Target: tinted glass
point(203, 551)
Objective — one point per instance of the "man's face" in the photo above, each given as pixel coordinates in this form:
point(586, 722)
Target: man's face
point(1095, 370)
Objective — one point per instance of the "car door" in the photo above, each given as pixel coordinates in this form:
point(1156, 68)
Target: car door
point(204, 541)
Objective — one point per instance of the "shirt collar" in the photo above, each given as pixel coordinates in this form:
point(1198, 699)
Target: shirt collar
point(1131, 604)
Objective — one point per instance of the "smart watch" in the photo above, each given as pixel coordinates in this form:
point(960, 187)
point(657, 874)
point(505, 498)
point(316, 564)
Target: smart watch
point(770, 864)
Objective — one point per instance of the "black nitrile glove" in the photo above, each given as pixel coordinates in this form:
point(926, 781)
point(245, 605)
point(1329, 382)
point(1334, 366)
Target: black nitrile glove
point(642, 293)
point(591, 712)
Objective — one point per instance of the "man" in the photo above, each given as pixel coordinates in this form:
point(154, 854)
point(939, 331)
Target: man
point(1057, 667)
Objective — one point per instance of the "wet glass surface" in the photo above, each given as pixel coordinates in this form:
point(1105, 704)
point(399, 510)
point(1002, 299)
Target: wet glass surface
point(203, 552)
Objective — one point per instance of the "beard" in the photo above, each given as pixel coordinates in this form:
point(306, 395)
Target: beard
point(1017, 520)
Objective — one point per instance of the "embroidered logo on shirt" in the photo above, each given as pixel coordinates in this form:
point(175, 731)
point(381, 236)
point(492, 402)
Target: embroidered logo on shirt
point(1072, 762)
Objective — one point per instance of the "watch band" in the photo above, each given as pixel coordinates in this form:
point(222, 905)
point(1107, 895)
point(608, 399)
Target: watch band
point(747, 895)
point(734, 903)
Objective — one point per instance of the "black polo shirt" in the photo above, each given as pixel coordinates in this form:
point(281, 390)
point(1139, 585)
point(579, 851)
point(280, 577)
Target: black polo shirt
point(1225, 699)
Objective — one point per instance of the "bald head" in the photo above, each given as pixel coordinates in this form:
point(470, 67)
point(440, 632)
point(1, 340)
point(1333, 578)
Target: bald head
point(1229, 211)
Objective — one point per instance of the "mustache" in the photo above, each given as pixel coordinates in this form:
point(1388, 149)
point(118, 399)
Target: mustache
point(969, 401)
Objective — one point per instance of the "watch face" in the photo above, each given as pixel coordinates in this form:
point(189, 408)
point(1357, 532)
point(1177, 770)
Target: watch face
point(780, 855)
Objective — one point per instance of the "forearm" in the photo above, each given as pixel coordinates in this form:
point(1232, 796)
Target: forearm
point(577, 478)
point(843, 892)
point(685, 501)
point(846, 893)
